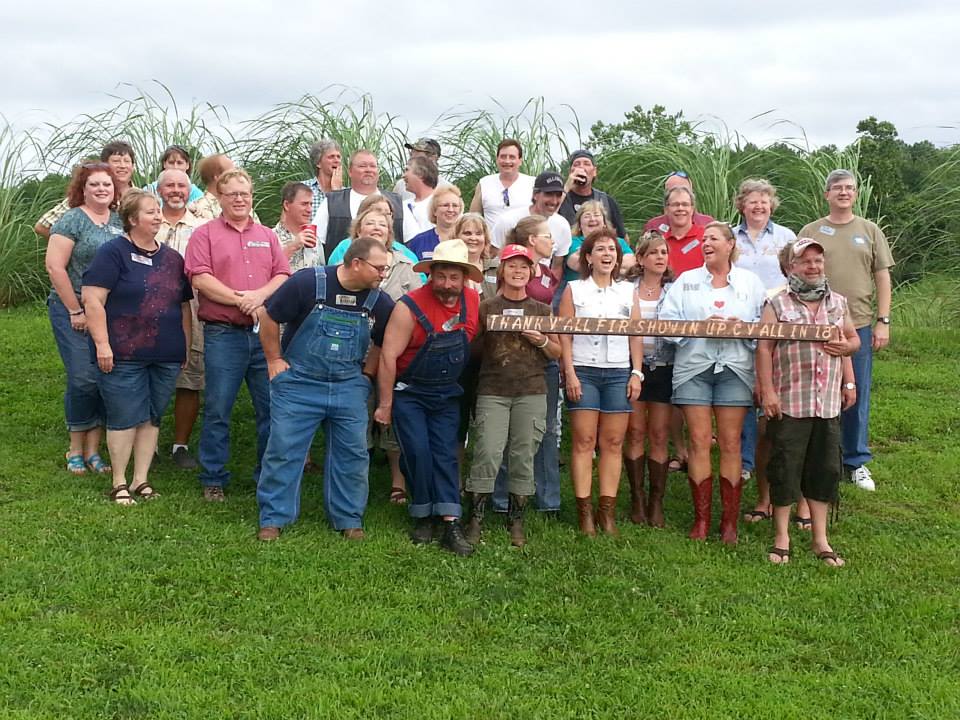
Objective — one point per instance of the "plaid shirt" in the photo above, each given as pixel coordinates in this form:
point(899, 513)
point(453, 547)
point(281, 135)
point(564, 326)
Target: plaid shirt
point(318, 195)
point(206, 208)
point(177, 236)
point(806, 378)
point(53, 214)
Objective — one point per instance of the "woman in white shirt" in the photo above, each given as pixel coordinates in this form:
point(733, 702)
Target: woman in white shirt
point(714, 378)
point(602, 374)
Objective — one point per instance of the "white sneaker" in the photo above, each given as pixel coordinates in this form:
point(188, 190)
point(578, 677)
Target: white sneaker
point(862, 478)
point(745, 476)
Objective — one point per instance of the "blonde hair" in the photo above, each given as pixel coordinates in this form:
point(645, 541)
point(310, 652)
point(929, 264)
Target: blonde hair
point(443, 190)
point(233, 175)
point(130, 206)
point(355, 225)
point(727, 230)
point(476, 219)
point(590, 206)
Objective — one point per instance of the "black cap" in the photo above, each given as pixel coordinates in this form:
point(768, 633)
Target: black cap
point(427, 145)
point(581, 154)
point(548, 181)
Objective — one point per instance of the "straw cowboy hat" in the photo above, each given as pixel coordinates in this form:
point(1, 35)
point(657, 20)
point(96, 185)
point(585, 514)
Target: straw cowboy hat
point(451, 252)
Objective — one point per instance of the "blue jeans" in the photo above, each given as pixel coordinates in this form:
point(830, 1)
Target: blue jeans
point(231, 356)
point(82, 403)
point(135, 392)
point(748, 440)
point(425, 423)
point(299, 404)
point(546, 463)
point(855, 421)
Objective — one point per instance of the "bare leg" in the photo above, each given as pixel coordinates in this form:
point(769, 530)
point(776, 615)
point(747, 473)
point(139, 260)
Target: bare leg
point(91, 442)
point(658, 425)
point(677, 417)
point(120, 444)
point(729, 427)
point(612, 428)
point(700, 427)
point(584, 426)
point(781, 529)
point(819, 543)
point(760, 468)
point(186, 408)
point(636, 431)
point(144, 447)
point(77, 438)
point(397, 481)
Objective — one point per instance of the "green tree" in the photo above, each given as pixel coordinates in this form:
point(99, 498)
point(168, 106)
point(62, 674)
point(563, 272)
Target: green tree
point(640, 127)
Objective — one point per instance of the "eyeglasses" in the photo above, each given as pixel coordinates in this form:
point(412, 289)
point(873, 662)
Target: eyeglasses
point(237, 195)
point(843, 188)
point(506, 197)
point(381, 269)
point(449, 206)
point(679, 173)
point(549, 236)
point(679, 205)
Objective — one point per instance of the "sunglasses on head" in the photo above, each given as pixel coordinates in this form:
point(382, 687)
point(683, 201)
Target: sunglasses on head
point(679, 173)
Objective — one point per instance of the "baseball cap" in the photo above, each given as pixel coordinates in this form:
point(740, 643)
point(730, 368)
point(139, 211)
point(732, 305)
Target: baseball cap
point(427, 145)
point(548, 181)
point(803, 243)
point(512, 251)
point(581, 154)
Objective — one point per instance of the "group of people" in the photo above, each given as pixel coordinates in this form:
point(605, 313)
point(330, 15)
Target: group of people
point(364, 312)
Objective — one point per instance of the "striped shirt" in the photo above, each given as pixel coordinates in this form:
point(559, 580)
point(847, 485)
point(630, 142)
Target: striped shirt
point(807, 378)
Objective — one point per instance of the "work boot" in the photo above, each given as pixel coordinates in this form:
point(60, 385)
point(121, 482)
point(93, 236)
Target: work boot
point(518, 504)
point(606, 512)
point(702, 497)
point(453, 539)
point(638, 501)
point(422, 533)
point(478, 507)
point(585, 516)
point(658, 486)
point(730, 501)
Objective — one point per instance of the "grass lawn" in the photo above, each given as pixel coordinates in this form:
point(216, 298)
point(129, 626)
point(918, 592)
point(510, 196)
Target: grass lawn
point(173, 610)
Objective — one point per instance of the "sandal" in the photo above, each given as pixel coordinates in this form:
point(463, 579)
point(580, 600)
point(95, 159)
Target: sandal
point(75, 463)
point(126, 499)
point(675, 464)
point(398, 496)
point(96, 464)
point(782, 553)
point(827, 555)
point(144, 491)
point(802, 523)
point(755, 516)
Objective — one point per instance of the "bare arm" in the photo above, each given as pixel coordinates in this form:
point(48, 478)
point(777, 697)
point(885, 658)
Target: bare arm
point(214, 289)
point(571, 381)
point(636, 352)
point(476, 205)
point(94, 299)
point(270, 340)
point(764, 365)
point(395, 340)
point(557, 265)
point(881, 331)
point(41, 230)
point(250, 300)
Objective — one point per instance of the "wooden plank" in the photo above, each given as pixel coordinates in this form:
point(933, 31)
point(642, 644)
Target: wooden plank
point(663, 328)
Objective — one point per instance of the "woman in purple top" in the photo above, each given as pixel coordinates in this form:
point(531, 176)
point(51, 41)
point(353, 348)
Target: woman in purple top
point(137, 301)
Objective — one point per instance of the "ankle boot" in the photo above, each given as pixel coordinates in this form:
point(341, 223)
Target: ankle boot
point(702, 497)
point(658, 486)
point(515, 510)
point(638, 501)
point(478, 507)
point(585, 516)
point(606, 512)
point(730, 500)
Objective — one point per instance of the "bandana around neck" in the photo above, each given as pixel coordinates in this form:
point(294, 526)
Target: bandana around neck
point(808, 291)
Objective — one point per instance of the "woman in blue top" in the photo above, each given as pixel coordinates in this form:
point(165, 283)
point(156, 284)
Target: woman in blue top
point(137, 300)
point(592, 216)
point(74, 240)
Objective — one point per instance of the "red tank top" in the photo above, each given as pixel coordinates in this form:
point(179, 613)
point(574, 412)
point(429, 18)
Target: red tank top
point(437, 314)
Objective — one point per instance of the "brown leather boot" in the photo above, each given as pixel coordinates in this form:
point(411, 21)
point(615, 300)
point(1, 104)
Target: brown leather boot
point(702, 497)
point(585, 516)
point(606, 515)
point(515, 510)
point(658, 487)
point(730, 500)
point(478, 508)
point(638, 501)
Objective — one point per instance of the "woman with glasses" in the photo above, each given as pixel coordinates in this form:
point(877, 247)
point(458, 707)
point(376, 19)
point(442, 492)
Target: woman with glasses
point(446, 207)
point(592, 216)
point(504, 189)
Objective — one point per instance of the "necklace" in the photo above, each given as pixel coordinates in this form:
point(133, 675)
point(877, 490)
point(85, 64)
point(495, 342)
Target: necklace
point(650, 292)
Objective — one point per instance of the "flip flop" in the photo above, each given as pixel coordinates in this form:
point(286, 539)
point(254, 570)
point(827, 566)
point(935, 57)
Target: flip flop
point(755, 516)
point(675, 464)
point(802, 523)
point(826, 555)
point(398, 496)
point(782, 553)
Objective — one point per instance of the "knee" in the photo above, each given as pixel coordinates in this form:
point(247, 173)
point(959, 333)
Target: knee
point(584, 443)
point(611, 443)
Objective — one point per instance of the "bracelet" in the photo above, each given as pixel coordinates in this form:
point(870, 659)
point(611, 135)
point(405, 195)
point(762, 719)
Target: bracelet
point(546, 341)
point(74, 313)
point(639, 374)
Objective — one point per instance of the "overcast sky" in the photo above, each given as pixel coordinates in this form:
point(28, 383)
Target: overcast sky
point(821, 66)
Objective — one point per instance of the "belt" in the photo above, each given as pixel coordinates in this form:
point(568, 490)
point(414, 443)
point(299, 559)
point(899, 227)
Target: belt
point(233, 326)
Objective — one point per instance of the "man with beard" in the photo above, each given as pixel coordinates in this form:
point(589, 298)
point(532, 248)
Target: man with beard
point(547, 197)
point(176, 227)
point(424, 351)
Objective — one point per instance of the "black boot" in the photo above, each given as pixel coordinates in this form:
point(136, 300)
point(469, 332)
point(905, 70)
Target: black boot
point(422, 532)
point(453, 539)
point(478, 508)
point(518, 504)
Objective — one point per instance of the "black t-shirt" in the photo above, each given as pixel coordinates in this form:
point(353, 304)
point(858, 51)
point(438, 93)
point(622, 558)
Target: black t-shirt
point(572, 202)
point(297, 297)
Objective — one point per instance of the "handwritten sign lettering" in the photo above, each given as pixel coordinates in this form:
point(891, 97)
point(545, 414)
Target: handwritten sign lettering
point(663, 328)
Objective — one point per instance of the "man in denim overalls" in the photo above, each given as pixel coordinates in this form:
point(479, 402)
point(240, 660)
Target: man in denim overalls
point(324, 377)
point(424, 351)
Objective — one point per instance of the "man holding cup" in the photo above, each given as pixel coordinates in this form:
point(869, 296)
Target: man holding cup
point(296, 233)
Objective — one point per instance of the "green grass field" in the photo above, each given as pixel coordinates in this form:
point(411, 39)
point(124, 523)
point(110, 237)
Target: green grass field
point(173, 610)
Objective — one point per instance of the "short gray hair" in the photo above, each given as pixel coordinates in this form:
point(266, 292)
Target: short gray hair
point(758, 185)
point(679, 188)
point(839, 174)
point(321, 148)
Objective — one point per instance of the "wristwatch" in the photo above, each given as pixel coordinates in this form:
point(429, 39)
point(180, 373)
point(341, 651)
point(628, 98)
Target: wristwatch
point(638, 373)
point(849, 386)
point(885, 319)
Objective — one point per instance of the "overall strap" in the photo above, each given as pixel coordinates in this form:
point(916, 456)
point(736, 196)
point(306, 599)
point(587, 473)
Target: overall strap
point(463, 308)
point(320, 274)
point(371, 300)
point(418, 313)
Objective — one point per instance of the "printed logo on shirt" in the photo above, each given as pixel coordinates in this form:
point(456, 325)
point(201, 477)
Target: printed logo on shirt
point(258, 243)
point(664, 228)
point(827, 230)
point(347, 300)
point(513, 312)
point(451, 323)
point(692, 245)
point(141, 259)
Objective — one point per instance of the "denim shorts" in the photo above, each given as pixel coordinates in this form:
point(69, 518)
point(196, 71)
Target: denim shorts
point(602, 389)
point(135, 392)
point(709, 388)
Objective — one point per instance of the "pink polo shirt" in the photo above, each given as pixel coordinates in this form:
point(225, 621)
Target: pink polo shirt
point(245, 260)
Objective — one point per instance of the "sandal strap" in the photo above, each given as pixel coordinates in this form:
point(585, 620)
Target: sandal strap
point(144, 490)
point(117, 490)
point(96, 463)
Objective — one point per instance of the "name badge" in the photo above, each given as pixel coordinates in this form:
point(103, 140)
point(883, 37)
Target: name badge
point(664, 228)
point(347, 300)
point(258, 243)
point(625, 311)
point(692, 245)
point(860, 240)
point(490, 278)
point(428, 255)
point(827, 230)
point(545, 281)
point(141, 259)
point(513, 312)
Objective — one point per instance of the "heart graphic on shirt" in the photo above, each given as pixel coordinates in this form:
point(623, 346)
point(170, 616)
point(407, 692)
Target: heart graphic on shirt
point(718, 303)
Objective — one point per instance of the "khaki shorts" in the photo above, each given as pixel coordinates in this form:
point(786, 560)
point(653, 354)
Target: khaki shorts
point(191, 377)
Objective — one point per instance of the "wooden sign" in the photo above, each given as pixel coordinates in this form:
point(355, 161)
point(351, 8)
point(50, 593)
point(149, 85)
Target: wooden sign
point(663, 328)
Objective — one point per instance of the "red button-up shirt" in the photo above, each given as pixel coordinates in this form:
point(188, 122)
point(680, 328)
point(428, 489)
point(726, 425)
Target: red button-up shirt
point(241, 260)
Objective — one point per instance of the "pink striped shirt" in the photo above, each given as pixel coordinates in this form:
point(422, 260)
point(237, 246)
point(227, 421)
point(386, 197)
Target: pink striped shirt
point(806, 378)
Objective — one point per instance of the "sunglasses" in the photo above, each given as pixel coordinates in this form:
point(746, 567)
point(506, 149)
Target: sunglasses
point(679, 173)
point(506, 197)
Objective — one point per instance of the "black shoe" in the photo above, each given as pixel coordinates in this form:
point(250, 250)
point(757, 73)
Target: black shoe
point(453, 539)
point(422, 533)
point(183, 460)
